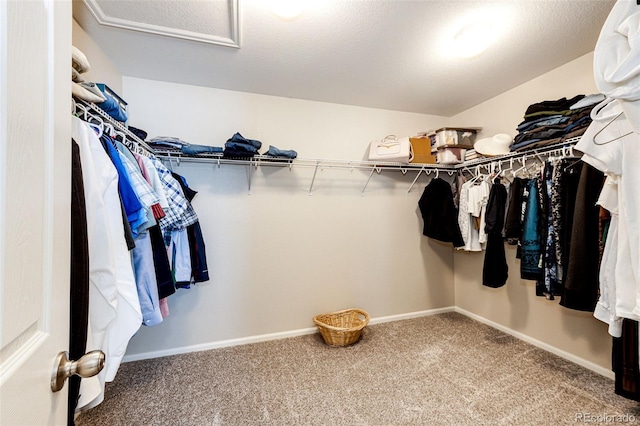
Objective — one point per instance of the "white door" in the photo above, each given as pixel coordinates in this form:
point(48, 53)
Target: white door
point(35, 185)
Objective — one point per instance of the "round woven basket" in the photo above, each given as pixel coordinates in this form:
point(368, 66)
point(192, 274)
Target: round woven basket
point(341, 328)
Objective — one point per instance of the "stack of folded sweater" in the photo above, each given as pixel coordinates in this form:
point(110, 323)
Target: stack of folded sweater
point(239, 146)
point(550, 122)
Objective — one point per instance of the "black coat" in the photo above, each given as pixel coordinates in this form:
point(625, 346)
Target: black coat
point(439, 214)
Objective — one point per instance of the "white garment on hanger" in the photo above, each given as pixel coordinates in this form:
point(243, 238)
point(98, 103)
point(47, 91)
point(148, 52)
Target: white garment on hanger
point(610, 145)
point(180, 255)
point(97, 178)
point(605, 309)
point(478, 198)
point(469, 233)
point(110, 268)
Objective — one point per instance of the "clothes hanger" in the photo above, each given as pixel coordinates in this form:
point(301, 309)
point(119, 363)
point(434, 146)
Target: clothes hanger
point(604, 127)
point(572, 165)
point(82, 113)
point(523, 160)
point(595, 112)
point(97, 128)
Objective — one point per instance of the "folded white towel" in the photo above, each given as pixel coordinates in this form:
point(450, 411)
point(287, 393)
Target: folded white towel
point(79, 60)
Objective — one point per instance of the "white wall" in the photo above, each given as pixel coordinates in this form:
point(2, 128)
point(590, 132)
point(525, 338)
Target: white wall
point(278, 256)
point(516, 306)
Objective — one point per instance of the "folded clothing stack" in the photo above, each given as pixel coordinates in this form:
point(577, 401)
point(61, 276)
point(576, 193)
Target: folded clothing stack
point(239, 146)
point(550, 122)
point(472, 154)
point(283, 153)
point(177, 145)
point(80, 88)
point(91, 92)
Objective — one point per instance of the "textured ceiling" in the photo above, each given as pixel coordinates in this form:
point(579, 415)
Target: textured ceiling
point(388, 54)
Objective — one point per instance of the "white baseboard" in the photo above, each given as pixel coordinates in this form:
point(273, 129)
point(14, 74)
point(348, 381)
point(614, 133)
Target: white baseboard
point(410, 315)
point(271, 336)
point(220, 344)
point(303, 331)
point(563, 354)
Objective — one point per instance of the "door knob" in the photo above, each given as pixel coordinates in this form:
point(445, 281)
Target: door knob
point(88, 365)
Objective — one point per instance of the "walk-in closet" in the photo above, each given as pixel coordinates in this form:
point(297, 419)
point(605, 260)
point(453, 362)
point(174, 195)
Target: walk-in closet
point(186, 187)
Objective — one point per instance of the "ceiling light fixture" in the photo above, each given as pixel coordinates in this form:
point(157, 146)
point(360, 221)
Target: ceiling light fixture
point(288, 9)
point(473, 39)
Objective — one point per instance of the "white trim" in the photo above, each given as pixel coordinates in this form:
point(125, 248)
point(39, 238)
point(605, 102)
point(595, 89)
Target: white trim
point(303, 331)
point(411, 315)
point(535, 342)
point(270, 336)
point(234, 22)
point(3, 142)
point(220, 344)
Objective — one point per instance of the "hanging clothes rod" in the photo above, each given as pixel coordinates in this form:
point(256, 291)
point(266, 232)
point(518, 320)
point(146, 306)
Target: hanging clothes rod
point(119, 126)
point(544, 150)
point(268, 161)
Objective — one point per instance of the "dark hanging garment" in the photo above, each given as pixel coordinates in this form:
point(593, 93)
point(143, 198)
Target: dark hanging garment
point(513, 220)
point(164, 277)
point(582, 270)
point(79, 279)
point(197, 252)
point(199, 270)
point(625, 361)
point(495, 270)
point(189, 193)
point(439, 214)
point(530, 252)
point(552, 284)
point(568, 190)
point(128, 235)
point(563, 195)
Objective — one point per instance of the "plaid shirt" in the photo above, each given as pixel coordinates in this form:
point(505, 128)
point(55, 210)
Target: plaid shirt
point(143, 190)
point(180, 213)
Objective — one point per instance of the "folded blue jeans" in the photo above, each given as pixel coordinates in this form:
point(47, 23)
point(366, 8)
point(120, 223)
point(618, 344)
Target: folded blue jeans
point(275, 152)
point(237, 137)
point(191, 149)
point(240, 146)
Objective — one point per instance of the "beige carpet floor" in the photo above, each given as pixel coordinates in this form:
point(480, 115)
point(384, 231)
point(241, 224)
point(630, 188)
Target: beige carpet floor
point(439, 370)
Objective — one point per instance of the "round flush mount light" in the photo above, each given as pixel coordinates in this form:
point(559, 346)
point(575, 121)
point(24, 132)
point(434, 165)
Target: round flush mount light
point(288, 9)
point(473, 39)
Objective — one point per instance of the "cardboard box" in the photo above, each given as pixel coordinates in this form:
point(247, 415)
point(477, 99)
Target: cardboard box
point(422, 151)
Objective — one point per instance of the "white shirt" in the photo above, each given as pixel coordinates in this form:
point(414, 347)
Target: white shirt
point(478, 198)
point(605, 309)
point(610, 145)
point(469, 232)
point(114, 309)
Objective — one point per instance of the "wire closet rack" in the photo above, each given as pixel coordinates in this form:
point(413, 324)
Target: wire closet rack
point(491, 164)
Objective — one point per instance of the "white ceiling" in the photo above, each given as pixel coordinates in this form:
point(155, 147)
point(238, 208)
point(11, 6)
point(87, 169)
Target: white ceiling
point(386, 54)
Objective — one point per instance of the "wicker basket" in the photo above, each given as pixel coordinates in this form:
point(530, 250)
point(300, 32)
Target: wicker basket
point(342, 328)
